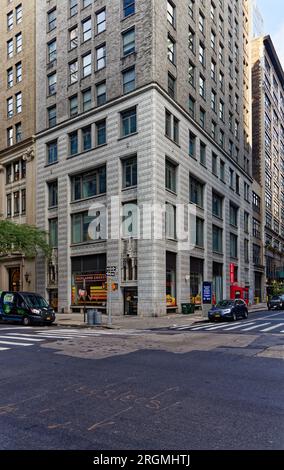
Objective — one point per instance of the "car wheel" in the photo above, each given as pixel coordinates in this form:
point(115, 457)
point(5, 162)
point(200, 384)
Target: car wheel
point(26, 321)
point(234, 317)
point(245, 316)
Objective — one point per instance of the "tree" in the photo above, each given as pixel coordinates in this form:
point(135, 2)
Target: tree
point(22, 238)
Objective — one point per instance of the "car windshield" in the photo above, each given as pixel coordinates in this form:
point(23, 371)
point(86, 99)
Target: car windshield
point(35, 301)
point(225, 303)
point(276, 297)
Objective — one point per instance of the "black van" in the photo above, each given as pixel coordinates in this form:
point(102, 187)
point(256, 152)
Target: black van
point(26, 308)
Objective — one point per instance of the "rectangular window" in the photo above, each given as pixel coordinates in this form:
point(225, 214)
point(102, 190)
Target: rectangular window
point(52, 152)
point(18, 97)
point(233, 245)
point(101, 132)
point(10, 20)
point(10, 136)
point(87, 138)
point(128, 122)
point(19, 72)
point(86, 3)
point(9, 205)
point(18, 128)
point(234, 215)
point(52, 84)
point(80, 224)
point(199, 241)
point(10, 77)
point(10, 107)
point(192, 145)
point(53, 232)
point(19, 14)
point(196, 191)
point(217, 243)
point(19, 43)
point(217, 205)
point(52, 51)
point(128, 7)
point(73, 72)
point(100, 57)
point(23, 202)
point(73, 143)
point(51, 19)
point(17, 203)
point(52, 194)
point(171, 50)
point(101, 93)
point(87, 29)
point(170, 176)
point(73, 5)
point(170, 221)
point(101, 21)
point(87, 64)
point(89, 184)
point(171, 13)
point(73, 105)
point(73, 37)
point(171, 86)
point(10, 48)
point(51, 114)
point(87, 99)
point(202, 153)
point(128, 79)
point(128, 42)
point(129, 172)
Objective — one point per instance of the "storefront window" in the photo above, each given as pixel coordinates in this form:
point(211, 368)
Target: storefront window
point(171, 279)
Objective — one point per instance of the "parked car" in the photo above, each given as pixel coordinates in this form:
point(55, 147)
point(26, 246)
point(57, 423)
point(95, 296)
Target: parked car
point(25, 308)
point(228, 310)
point(276, 302)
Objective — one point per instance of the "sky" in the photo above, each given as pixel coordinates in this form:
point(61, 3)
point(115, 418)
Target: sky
point(273, 15)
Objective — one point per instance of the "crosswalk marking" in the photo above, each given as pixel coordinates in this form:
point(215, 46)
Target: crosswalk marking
point(240, 326)
point(236, 325)
point(272, 327)
point(256, 326)
point(15, 344)
point(20, 337)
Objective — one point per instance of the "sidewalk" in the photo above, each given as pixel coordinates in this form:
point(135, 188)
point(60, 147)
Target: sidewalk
point(140, 323)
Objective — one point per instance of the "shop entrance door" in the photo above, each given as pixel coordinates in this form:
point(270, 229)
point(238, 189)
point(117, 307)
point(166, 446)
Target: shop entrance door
point(130, 301)
point(14, 279)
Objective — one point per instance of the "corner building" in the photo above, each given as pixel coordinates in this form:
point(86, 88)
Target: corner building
point(147, 102)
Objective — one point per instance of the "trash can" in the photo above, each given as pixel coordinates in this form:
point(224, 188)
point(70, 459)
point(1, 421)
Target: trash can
point(187, 308)
point(91, 316)
point(97, 317)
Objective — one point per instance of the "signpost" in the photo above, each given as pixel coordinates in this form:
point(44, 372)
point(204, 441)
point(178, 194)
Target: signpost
point(111, 272)
point(206, 297)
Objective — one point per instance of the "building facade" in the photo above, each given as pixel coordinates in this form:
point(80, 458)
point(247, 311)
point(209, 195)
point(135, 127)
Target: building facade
point(144, 104)
point(268, 150)
point(17, 129)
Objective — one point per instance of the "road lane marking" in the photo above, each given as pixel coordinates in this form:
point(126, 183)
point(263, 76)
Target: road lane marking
point(272, 327)
point(4, 349)
point(256, 326)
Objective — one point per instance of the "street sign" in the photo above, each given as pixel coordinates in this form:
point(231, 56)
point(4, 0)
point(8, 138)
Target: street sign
point(111, 271)
point(207, 293)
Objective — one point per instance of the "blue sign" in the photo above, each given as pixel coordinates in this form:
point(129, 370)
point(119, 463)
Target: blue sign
point(207, 293)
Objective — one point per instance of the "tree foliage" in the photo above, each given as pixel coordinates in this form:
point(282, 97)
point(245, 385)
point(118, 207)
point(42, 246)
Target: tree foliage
point(22, 238)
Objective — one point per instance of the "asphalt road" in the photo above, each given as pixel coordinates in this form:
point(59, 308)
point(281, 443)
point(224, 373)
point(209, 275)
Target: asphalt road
point(175, 390)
